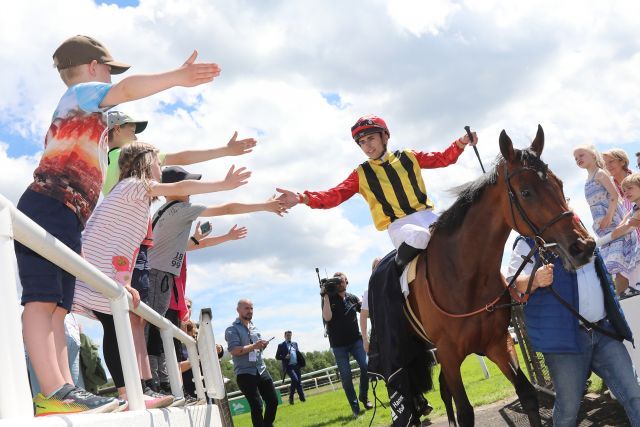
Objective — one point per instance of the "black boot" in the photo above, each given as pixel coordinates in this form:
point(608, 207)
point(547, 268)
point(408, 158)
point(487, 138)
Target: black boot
point(404, 255)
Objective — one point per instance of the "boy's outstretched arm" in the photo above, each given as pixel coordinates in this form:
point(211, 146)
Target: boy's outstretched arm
point(234, 233)
point(234, 179)
point(235, 147)
point(271, 205)
point(136, 87)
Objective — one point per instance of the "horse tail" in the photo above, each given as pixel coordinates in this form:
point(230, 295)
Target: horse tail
point(420, 369)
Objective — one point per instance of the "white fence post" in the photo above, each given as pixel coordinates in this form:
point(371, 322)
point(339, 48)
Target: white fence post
point(214, 382)
point(127, 350)
point(15, 395)
point(194, 360)
point(171, 361)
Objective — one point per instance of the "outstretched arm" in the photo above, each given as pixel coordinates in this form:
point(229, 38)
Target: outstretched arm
point(271, 205)
point(235, 147)
point(234, 179)
point(234, 233)
point(136, 87)
point(322, 199)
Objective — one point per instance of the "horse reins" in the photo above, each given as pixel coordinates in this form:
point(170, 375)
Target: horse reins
point(539, 245)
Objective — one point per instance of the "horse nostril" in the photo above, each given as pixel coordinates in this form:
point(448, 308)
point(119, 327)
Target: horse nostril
point(582, 246)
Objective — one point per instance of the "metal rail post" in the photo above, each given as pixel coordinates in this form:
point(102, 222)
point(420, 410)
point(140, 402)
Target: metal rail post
point(127, 350)
point(213, 380)
point(194, 360)
point(171, 361)
point(15, 395)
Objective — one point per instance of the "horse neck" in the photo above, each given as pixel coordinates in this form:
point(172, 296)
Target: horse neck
point(478, 245)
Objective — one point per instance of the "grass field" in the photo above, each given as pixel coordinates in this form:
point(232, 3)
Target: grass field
point(330, 408)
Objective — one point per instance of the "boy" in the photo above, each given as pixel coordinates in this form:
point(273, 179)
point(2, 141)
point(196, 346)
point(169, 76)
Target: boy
point(65, 191)
point(171, 228)
point(123, 130)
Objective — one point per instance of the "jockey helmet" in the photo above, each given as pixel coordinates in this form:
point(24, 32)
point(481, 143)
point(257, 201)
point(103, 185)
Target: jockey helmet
point(368, 124)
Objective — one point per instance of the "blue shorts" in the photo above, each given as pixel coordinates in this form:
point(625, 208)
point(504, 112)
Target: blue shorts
point(43, 281)
point(140, 275)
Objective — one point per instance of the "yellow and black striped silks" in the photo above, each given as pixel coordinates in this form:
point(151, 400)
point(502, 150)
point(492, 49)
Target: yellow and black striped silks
point(393, 187)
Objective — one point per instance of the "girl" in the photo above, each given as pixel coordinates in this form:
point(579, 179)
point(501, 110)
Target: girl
point(607, 214)
point(112, 239)
point(616, 162)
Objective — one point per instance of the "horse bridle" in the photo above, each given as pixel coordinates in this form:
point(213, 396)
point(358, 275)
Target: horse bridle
point(513, 201)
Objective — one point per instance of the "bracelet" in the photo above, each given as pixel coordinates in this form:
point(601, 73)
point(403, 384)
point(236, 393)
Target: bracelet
point(194, 240)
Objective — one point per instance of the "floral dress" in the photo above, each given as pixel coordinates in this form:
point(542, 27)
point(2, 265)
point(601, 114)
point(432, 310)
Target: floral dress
point(622, 254)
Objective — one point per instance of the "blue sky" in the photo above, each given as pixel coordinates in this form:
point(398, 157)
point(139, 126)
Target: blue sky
point(297, 77)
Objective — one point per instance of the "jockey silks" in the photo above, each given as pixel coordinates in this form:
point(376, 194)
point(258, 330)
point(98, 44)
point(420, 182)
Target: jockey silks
point(393, 187)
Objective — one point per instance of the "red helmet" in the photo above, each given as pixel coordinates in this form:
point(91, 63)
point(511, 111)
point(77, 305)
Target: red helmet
point(368, 124)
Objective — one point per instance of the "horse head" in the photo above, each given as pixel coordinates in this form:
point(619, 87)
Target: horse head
point(536, 206)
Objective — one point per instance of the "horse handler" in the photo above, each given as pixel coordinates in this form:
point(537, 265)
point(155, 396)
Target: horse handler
point(585, 335)
point(392, 185)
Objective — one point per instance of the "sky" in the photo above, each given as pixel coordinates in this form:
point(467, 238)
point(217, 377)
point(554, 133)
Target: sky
point(296, 76)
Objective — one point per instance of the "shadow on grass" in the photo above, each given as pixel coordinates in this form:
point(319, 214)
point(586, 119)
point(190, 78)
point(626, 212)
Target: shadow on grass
point(337, 421)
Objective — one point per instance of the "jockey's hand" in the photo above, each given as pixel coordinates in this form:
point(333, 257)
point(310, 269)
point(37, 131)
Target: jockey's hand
point(544, 276)
point(464, 140)
point(288, 198)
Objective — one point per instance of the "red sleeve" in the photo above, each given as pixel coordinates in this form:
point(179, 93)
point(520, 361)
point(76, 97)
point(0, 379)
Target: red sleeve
point(333, 197)
point(438, 159)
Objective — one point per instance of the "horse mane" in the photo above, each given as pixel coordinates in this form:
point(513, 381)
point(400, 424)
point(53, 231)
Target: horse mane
point(471, 192)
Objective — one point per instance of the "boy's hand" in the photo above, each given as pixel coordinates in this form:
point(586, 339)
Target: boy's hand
point(239, 147)
point(237, 233)
point(192, 74)
point(236, 178)
point(276, 206)
point(198, 234)
point(288, 198)
point(135, 296)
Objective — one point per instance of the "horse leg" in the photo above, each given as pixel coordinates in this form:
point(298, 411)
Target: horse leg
point(507, 361)
point(450, 363)
point(445, 395)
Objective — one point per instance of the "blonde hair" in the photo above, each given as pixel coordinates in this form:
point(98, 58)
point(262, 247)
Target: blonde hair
point(136, 160)
point(620, 155)
point(633, 179)
point(591, 149)
point(68, 75)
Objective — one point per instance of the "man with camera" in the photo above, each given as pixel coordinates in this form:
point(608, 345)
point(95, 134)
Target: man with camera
point(292, 360)
point(339, 311)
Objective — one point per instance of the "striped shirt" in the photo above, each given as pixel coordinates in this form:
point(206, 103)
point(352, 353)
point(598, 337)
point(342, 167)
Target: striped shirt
point(111, 241)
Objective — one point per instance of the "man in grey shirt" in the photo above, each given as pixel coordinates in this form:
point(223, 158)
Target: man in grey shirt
point(246, 346)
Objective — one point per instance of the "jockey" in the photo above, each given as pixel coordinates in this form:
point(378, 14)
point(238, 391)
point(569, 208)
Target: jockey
point(392, 185)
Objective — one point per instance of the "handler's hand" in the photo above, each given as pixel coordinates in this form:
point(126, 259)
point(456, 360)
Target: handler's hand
point(544, 276)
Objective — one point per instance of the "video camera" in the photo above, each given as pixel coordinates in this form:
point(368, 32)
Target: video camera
point(329, 285)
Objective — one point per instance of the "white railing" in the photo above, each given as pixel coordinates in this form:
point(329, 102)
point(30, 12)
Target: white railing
point(15, 396)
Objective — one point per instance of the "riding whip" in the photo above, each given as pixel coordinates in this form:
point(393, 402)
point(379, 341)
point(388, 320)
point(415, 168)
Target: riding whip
point(468, 129)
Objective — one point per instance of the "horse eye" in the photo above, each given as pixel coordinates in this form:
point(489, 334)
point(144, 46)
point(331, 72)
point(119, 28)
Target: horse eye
point(525, 193)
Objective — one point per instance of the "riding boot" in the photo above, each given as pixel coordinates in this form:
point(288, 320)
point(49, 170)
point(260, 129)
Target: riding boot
point(404, 255)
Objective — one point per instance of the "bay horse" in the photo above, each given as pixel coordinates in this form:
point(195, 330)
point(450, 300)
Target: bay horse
point(459, 295)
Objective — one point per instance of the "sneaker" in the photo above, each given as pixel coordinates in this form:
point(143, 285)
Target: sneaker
point(357, 412)
point(70, 399)
point(122, 405)
point(153, 400)
point(178, 401)
point(366, 403)
point(190, 400)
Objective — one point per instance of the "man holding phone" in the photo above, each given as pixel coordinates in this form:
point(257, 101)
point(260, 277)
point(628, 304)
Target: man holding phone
point(246, 345)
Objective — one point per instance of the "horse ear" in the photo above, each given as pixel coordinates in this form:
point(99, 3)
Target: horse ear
point(506, 146)
point(538, 143)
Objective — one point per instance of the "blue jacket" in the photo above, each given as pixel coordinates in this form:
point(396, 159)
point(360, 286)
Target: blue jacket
point(551, 327)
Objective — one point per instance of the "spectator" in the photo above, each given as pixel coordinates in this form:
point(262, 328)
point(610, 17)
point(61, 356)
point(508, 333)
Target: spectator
point(246, 345)
point(292, 360)
point(339, 312)
point(574, 344)
point(171, 232)
point(607, 214)
point(63, 195)
point(638, 159)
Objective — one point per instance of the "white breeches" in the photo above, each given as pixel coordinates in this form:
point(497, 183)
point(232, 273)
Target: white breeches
point(412, 229)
